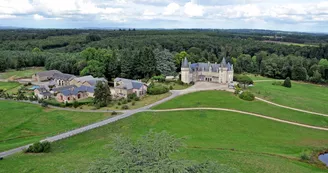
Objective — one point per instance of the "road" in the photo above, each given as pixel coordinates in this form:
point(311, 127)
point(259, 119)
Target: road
point(175, 93)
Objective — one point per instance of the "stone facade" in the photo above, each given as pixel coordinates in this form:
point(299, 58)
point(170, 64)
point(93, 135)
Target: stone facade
point(217, 73)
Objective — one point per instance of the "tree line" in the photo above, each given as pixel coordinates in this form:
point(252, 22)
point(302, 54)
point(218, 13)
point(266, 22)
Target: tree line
point(143, 54)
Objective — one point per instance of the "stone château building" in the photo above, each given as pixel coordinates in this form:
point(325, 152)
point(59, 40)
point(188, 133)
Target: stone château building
point(217, 73)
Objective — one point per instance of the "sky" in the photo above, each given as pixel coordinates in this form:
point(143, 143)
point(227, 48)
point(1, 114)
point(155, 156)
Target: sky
point(288, 15)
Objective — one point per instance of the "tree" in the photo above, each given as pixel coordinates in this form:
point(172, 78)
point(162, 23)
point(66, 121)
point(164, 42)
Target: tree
point(151, 153)
point(164, 62)
point(244, 80)
point(316, 78)
point(102, 96)
point(94, 68)
point(287, 83)
point(299, 73)
point(92, 37)
point(179, 57)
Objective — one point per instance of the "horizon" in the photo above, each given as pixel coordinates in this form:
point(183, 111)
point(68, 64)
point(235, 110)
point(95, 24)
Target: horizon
point(301, 16)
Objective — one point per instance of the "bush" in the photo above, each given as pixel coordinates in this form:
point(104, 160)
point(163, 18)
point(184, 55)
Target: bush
point(305, 157)
point(171, 87)
point(119, 103)
point(248, 96)
point(237, 89)
point(39, 147)
point(287, 83)
point(44, 104)
point(192, 83)
point(75, 104)
point(132, 96)
point(125, 107)
point(157, 89)
point(124, 101)
point(133, 103)
point(114, 113)
point(160, 78)
point(277, 83)
point(137, 99)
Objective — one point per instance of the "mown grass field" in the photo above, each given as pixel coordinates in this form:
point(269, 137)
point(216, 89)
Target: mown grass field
point(144, 101)
point(22, 123)
point(303, 96)
point(26, 73)
point(247, 143)
point(222, 99)
point(9, 85)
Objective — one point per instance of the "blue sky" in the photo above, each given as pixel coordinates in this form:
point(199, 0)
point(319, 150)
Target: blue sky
point(290, 15)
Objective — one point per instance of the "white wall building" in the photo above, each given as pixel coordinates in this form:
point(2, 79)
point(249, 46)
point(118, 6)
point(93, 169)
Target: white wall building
point(217, 73)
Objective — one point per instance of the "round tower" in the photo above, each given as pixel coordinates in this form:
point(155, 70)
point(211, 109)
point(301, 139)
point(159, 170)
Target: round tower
point(185, 71)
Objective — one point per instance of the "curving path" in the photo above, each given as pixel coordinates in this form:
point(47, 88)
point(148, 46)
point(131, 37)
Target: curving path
point(175, 93)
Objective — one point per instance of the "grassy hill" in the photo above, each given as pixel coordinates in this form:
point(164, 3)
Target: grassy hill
point(222, 99)
point(23, 123)
point(301, 95)
point(247, 143)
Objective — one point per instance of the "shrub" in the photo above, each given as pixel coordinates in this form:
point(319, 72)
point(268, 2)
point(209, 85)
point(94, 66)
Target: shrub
point(132, 96)
point(248, 96)
point(160, 78)
point(137, 99)
point(237, 89)
point(305, 157)
point(119, 103)
point(277, 83)
point(287, 83)
point(133, 103)
point(39, 147)
point(114, 113)
point(124, 101)
point(44, 104)
point(75, 104)
point(157, 89)
point(125, 107)
point(171, 87)
point(192, 83)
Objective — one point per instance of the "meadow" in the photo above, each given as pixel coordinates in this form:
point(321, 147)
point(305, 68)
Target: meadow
point(247, 143)
point(302, 95)
point(23, 123)
point(7, 86)
point(25, 73)
point(222, 99)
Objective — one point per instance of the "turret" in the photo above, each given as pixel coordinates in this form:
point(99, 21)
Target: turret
point(185, 70)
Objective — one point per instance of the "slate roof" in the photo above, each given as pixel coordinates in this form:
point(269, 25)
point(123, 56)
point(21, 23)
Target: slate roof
point(90, 79)
point(49, 73)
point(47, 93)
point(206, 66)
point(75, 91)
point(63, 76)
point(59, 89)
point(185, 63)
point(129, 84)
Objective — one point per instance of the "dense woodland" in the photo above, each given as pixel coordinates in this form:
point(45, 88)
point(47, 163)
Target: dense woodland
point(139, 54)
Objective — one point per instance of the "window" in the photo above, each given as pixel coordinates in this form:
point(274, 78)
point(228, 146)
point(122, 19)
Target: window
point(68, 98)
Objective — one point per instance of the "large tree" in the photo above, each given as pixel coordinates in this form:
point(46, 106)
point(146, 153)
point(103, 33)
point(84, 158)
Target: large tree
point(151, 154)
point(165, 62)
point(102, 95)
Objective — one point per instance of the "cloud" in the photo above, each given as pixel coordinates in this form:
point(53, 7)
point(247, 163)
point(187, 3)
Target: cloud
point(192, 9)
point(182, 13)
point(171, 9)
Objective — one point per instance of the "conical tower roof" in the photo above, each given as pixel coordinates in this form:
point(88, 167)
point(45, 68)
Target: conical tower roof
point(185, 63)
point(223, 62)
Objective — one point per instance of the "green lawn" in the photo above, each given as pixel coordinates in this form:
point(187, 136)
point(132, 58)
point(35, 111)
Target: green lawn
point(146, 100)
point(26, 73)
point(9, 85)
point(258, 77)
point(303, 96)
point(23, 123)
point(222, 99)
point(247, 143)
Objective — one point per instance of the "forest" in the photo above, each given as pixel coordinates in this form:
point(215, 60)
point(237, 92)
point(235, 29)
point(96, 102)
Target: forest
point(140, 54)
